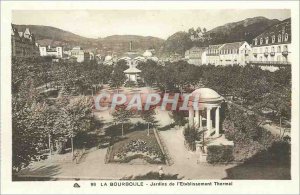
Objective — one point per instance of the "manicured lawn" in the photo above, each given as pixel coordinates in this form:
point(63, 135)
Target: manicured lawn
point(137, 145)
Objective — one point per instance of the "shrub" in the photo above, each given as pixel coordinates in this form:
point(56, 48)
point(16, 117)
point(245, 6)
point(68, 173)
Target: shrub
point(153, 176)
point(219, 154)
point(190, 135)
point(179, 118)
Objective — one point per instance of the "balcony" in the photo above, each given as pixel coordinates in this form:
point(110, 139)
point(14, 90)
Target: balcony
point(266, 54)
point(285, 53)
point(272, 53)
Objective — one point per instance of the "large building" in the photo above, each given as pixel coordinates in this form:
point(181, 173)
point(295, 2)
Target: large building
point(56, 52)
point(23, 43)
point(80, 55)
point(213, 55)
point(237, 53)
point(196, 55)
point(272, 47)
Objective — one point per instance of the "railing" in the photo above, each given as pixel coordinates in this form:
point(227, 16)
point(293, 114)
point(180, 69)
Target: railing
point(270, 63)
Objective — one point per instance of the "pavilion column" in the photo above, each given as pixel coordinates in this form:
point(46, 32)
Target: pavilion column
point(197, 118)
point(200, 120)
point(208, 120)
point(217, 121)
point(191, 117)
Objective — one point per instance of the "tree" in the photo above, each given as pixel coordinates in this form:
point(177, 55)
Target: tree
point(121, 115)
point(28, 135)
point(149, 117)
point(117, 77)
point(75, 117)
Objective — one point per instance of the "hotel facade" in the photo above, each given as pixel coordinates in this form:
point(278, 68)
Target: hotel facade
point(272, 48)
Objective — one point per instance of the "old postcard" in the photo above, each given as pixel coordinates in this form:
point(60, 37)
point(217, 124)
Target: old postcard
point(149, 97)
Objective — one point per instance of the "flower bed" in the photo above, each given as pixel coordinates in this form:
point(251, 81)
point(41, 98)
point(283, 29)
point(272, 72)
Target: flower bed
point(137, 145)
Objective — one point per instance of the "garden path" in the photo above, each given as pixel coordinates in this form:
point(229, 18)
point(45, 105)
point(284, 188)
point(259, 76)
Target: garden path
point(93, 167)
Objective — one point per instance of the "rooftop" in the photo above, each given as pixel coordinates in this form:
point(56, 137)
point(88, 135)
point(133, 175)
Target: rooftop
point(234, 45)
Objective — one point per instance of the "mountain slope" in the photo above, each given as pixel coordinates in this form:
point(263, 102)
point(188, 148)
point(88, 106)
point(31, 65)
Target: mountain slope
point(176, 43)
point(243, 30)
point(236, 31)
point(119, 44)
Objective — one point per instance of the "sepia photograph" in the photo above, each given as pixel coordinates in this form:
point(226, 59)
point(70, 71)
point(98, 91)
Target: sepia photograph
point(151, 95)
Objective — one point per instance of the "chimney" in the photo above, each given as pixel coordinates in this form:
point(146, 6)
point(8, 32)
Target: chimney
point(130, 46)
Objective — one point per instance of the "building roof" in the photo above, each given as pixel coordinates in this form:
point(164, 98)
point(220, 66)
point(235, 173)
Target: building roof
point(77, 48)
point(281, 28)
point(206, 95)
point(195, 48)
point(215, 46)
point(132, 70)
point(234, 45)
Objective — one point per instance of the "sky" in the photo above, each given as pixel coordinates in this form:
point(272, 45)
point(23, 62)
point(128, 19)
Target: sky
point(157, 23)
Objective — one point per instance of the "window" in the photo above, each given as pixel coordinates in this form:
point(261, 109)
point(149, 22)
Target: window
point(279, 38)
point(286, 37)
point(273, 49)
point(267, 40)
point(285, 48)
point(279, 58)
point(273, 39)
point(278, 49)
point(261, 41)
point(255, 41)
point(266, 49)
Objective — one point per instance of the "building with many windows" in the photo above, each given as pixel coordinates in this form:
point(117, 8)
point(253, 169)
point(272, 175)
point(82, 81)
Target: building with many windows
point(23, 43)
point(56, 52)
point(272, 47)
point(236, 53)
point(213, 55)
point(80, 55)
point(196, 55)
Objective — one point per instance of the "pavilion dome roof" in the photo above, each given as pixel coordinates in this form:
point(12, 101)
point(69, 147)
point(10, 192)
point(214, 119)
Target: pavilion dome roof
point(207, 95)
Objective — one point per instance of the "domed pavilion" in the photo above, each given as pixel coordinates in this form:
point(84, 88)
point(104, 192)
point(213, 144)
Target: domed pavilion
point(209, 101)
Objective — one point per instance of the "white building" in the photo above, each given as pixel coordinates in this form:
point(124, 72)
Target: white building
point(196, 55)
point(81, 55)
point(213, 54)
point(236, 53)
point(56, 52)
point(272, 47)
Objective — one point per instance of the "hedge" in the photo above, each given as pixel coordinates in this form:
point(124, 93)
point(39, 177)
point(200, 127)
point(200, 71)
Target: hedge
point(219, 154)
